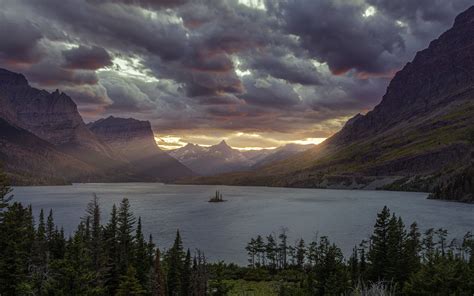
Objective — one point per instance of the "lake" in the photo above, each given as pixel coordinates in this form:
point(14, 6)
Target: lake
point(222, 230)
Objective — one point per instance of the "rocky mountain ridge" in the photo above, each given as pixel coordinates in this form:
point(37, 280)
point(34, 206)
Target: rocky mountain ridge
point(51, 116)
point(222, 158)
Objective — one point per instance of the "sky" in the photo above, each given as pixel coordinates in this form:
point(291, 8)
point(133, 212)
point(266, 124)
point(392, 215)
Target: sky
point(257, 73)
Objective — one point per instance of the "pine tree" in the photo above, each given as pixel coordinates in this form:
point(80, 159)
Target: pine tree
point(175, 267)
point(411, 252)
point(283, 248)
point(271, 251)
point(260, 250)
point(16, 247)
point(186, 275)
point(199, 278)
point(50, 227)
point(251, 251)
point(313, 253)
point(395, 241)
point(158, 287)
point(40, 254)
point(142, 262)
point(300, 254)
point(129, 284)
point(378, 253)
point(5, 191)
point(125, 227)
point(112, 252)
point(95, 244)
point(354, 266)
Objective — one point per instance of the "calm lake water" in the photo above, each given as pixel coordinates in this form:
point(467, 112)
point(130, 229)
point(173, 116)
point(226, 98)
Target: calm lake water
point(222, 230)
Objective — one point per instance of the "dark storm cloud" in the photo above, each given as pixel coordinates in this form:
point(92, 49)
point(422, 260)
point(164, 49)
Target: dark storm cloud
point(123, 27)
point(19, 40)
point(88, 58)
point(428, 10)
point(288, 68)
point(270, 92)
point(49, 74)
point(336, 32)
point(149, 4)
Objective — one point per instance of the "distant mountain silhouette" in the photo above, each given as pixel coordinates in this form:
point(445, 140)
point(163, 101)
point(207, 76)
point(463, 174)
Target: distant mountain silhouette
point(134, 140)
point(221, 158)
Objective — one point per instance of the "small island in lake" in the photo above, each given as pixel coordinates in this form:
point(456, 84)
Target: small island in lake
point(217, 197)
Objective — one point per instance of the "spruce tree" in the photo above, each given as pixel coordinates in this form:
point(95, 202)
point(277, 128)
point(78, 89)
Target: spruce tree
point(300, 254)
point(251, 251)
point(5, 191)
point(378, 253)
point(186, 275)
point(283, 248)
point(129, 284)
point(95, 244)
point(50, 227)
point(395, 256)
point(260, 250)
point(411, 252)
point(271, 252)
point(16, 248)
point(175, 267)
point(158, 287)
point(112, 276)
point(125, 227)
point(141, 256)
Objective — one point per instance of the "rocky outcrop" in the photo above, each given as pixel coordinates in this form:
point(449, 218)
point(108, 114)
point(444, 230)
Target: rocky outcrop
point(134, 140)
point(52, 117)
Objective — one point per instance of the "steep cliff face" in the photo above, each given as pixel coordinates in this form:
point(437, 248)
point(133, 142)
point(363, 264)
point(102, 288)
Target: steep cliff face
point(418, 138)
point(28, 159)
point(52, 117)
point(134, 140)
point(437, 76)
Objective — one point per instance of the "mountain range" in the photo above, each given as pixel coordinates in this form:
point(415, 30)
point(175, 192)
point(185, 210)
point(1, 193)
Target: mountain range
point(44, 140)
point(221, 158)
point(419, 137)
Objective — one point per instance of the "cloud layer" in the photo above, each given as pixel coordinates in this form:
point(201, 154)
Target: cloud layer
point(284, 70)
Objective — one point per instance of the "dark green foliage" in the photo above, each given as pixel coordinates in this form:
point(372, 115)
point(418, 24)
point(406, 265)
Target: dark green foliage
point(217, 286)
point(158, 284)
point(378, 254)
point(458, 187)
point(398, 260)
point(17, 237)
point(125, 228)
point(175, 258)
point(186, 275)
point(5, 191)
point(129, 284)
